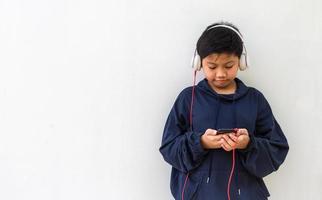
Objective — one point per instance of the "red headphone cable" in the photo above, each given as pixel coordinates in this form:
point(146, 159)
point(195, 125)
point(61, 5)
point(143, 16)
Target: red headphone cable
point(190, 121)
point(231, 175)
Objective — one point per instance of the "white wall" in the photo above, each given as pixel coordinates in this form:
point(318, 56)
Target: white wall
point(86, 86)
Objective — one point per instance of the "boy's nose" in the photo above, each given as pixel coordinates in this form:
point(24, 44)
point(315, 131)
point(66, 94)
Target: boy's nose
point(221, 73)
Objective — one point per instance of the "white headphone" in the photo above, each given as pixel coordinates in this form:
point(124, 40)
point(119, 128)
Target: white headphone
point(243, 61)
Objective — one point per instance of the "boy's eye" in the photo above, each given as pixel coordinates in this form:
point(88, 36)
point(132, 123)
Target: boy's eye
point(211, 66)
point(230, 65)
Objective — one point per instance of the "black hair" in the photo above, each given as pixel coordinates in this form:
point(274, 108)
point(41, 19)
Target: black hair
point(219, 40)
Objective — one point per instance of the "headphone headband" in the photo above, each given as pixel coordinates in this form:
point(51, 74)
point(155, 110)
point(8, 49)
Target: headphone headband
point(229, 27)
point(196, 60)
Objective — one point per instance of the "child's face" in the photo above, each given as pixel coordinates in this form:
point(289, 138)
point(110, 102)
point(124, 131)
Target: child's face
point(220, 70)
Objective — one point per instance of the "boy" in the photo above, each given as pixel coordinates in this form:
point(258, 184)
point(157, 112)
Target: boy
point(208, 164)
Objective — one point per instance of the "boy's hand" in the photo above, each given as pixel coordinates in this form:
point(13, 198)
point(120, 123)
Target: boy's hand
point(210, 139)
point(232, 141)
point(243, 138)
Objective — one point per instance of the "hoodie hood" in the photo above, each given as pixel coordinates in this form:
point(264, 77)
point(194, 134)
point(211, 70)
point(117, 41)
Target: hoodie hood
point(241, 90)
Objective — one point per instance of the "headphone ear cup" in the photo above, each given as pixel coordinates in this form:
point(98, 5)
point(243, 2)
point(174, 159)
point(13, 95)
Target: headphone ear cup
point(243, 62)
point(197, 63)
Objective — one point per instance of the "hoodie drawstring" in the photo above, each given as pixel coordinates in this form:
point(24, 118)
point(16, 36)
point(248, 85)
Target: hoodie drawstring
point(211, 157)
point(236, 156)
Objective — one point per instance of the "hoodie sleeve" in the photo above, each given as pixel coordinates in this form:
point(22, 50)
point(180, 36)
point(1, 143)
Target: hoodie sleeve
point(181, 147)
point(268, 145)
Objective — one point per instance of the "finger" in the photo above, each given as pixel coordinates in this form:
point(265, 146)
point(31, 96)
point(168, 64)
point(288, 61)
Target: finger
point(242, 131)
point(233, 137)
point(211, 132)
point(239, 132)
point(217, 137)
point(225, 147)
point(230, 142)
point(214, 137)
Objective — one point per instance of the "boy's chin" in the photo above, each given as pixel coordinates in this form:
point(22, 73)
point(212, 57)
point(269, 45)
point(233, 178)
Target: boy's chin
point(222, 85)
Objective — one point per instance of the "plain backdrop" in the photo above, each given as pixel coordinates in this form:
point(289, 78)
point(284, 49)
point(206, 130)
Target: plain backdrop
point(86, 87)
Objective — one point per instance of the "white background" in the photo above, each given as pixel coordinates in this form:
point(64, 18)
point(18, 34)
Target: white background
point(86, 86)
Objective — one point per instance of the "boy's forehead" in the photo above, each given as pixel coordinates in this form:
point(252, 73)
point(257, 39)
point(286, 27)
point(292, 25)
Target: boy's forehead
point(221, 56)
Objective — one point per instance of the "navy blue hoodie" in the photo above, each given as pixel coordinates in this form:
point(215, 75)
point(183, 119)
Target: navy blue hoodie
point(209, 170)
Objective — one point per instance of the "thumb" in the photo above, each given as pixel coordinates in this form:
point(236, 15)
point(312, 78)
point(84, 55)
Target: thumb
point(242, 131)
point(211, 132)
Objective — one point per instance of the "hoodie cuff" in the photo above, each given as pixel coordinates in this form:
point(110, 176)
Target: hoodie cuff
point(251, 145)
point(195, 143)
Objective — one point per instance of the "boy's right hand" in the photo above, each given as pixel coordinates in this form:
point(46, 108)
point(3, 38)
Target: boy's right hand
point(210, 139)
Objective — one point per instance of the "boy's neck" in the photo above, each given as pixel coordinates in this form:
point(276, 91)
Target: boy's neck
point(230, 89)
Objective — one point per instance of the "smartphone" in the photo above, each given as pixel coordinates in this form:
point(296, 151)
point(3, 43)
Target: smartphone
point(226, 130)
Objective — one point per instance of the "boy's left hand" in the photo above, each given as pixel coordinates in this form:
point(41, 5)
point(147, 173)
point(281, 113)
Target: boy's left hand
point(232, 141)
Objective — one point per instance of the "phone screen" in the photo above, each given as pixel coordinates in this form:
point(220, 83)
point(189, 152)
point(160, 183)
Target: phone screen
point(226, 130)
